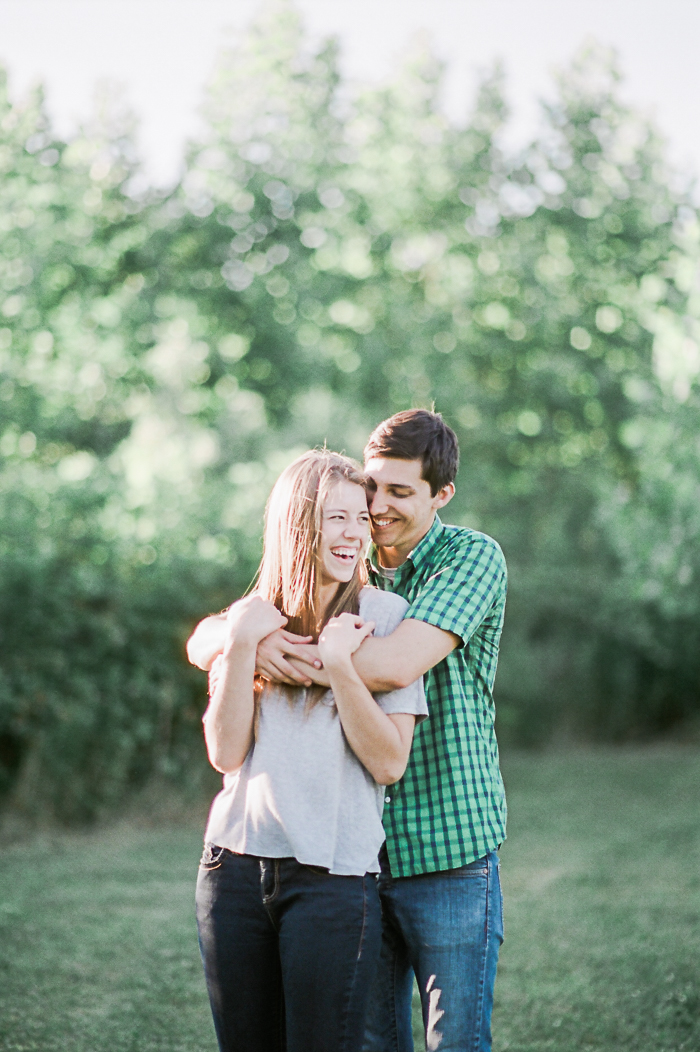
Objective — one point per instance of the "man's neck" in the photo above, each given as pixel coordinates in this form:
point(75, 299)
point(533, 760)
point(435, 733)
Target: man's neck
point(396, 556)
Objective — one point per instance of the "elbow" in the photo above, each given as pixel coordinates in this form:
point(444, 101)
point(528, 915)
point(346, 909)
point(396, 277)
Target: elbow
point(392, 679)
point(224, 761)
point(389, 772)
point(196, 654)
point(404, 679)
point(399, 678)
point(224, 758)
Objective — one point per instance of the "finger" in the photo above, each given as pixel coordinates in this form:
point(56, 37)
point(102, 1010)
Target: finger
point(312, 674)
point(290, 637)
point(309, 654)
point(366, 630)
point(286, 673)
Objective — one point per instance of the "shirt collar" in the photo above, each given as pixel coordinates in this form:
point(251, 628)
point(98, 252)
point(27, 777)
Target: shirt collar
point(419, 553)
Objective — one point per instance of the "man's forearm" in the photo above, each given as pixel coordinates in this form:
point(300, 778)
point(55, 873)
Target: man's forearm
point(392, 662)
point(207, 641)
point(374, 662)
point(376, 666)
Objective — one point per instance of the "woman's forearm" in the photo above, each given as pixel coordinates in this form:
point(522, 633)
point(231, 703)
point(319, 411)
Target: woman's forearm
point(374, 737)
point(228, 721)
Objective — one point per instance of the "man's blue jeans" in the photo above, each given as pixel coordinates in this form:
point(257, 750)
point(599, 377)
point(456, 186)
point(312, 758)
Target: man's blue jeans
point(446, 928)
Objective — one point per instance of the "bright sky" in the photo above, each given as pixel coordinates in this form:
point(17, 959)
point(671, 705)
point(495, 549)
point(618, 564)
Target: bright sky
point(162, 51)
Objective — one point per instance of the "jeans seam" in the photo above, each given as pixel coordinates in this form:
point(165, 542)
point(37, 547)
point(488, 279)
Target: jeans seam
point(479, 1017)
point(394, 1012)
point(364, 918)
point(353, 979)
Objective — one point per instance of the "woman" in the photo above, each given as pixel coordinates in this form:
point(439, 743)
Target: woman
point(287, 905)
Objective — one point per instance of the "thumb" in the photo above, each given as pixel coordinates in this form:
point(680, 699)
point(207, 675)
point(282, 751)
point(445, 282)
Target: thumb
point(366, 629)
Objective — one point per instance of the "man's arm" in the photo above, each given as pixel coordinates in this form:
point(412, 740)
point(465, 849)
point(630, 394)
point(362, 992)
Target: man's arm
point(445, 614)
point(390, 662)
point(209, 637)
point(207, 641)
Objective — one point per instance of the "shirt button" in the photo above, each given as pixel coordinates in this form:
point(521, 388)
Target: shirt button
point(387, 799)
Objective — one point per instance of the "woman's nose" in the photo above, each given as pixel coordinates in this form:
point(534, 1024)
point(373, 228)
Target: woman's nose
point(354, 530)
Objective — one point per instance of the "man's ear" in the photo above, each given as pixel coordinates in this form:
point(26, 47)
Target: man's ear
point(444, 495)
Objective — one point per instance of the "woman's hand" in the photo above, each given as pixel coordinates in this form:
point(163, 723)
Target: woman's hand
point(250, 620)
point(341, 637)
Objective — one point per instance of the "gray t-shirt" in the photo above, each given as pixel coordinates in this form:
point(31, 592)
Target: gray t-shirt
point(301, 792)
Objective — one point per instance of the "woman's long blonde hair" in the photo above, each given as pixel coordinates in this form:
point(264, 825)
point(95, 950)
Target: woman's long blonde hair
point(290, 572)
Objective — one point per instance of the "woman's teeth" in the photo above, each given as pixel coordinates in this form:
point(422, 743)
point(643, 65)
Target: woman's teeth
point(344, 553)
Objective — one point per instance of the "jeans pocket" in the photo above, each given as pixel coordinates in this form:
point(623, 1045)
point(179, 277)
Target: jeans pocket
point(212, 857)
point(478, 868)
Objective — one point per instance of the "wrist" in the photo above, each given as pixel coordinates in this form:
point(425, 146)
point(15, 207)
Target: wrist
point(339, 664)
point(240, 645)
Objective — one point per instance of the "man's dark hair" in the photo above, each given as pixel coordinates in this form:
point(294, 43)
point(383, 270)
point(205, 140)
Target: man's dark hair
point(417, 434)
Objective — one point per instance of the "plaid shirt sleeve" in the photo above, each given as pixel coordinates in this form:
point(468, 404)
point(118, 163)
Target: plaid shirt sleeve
point(459, 597)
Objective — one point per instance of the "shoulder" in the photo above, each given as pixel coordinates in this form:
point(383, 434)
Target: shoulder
point(468, 546)
point(387, 609)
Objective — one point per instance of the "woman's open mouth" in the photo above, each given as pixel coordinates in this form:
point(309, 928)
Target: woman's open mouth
point(345, 555)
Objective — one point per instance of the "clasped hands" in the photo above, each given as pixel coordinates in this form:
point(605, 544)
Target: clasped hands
point(283, 656)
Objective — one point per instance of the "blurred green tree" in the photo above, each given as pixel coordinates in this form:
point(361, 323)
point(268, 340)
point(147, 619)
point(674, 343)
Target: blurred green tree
point(325, 260)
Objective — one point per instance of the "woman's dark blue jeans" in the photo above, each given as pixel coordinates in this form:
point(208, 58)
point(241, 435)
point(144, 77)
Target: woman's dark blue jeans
point(290, 952)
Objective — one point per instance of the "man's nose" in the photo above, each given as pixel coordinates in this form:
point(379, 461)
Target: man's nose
point(377, 503)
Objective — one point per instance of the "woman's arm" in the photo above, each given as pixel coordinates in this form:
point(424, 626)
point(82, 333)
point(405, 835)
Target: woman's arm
point(228, 721)
point(381, 741)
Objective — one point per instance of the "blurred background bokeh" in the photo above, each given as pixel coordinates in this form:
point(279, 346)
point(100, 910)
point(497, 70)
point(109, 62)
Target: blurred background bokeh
point(328, 257)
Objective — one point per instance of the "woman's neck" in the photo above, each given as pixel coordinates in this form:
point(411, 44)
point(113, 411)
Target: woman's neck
point(326, 595)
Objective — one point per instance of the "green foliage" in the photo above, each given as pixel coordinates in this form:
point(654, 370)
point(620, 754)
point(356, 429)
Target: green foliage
point(325, 260)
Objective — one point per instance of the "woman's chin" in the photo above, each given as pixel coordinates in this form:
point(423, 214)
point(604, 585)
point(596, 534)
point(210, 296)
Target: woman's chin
point(341, 574)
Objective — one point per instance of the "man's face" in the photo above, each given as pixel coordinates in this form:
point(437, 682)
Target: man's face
point(400, 503)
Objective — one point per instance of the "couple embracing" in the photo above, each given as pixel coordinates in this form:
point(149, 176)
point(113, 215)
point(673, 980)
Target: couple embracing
point(354, 842)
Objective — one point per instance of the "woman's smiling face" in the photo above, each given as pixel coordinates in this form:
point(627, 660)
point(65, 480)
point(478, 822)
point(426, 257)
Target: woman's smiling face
point(344, 532)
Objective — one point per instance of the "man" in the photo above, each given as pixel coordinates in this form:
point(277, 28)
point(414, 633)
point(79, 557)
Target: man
point(445, 819)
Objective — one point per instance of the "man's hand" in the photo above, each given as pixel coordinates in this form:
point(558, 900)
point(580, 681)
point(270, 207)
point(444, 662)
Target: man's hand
point(316, 675)
point(275, 649)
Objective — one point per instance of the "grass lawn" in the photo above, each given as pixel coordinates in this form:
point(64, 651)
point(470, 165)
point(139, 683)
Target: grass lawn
point(601, 873)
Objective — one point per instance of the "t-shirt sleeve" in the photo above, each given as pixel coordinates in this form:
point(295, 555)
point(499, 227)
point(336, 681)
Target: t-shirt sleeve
point(410, 699)
point(462, 593)
point(388, 609)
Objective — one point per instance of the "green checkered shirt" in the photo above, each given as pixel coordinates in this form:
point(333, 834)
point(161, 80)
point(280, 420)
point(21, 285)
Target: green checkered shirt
point(449, 808)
